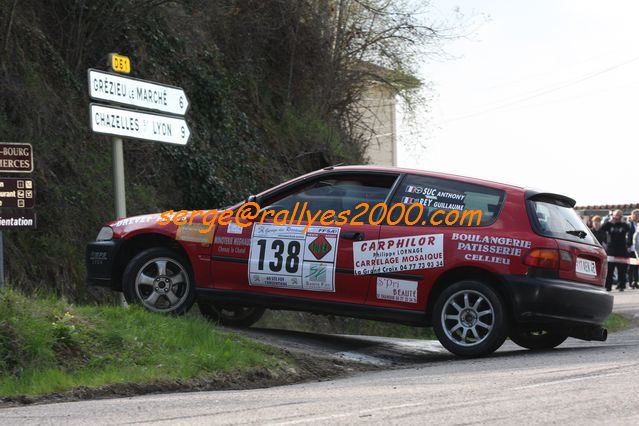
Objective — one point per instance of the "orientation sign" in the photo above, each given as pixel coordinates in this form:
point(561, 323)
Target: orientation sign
point(16, 192)
point(16, 157)
point(137, 93)
point(25, 219)
point(128, 123)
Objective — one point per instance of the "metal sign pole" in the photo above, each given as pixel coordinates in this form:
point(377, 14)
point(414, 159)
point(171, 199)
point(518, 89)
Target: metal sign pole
point(118, 189)
point(118, 178)
point(1, 262)
point(119, 64)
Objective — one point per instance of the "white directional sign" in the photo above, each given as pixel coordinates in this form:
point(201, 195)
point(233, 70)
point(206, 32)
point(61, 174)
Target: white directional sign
point(138, 125)
point(139, 93)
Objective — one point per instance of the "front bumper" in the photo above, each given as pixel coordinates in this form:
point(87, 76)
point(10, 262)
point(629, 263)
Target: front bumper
point(100, 261)
point(554, 301)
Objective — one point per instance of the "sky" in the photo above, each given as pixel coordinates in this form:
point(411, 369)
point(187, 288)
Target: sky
point(543, 94)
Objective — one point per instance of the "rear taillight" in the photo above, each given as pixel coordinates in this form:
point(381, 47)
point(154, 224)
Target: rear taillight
point(565, 260)
point(549, 259)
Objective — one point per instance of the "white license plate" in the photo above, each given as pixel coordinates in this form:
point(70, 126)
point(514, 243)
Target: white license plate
point(586, 267)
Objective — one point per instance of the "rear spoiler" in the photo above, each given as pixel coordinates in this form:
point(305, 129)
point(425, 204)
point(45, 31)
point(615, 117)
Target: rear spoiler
point(548, 197)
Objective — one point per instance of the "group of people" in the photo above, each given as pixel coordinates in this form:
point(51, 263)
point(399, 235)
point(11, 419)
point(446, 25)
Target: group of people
point(620, 238)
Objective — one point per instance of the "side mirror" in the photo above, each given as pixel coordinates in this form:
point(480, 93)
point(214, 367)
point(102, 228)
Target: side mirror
point(252, 199)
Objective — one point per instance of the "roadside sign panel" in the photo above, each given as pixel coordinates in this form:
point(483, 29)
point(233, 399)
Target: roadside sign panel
point(17, 193)
point(24, 219)
point(16, 157)
point(117, 121)
point(138, 93)
point(120, 63)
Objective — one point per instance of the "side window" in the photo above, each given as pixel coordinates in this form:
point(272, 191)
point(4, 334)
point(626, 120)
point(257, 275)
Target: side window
point(338, 193)
point(438, 197)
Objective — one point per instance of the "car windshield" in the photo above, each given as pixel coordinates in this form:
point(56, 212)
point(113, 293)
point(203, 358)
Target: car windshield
point(557, 221)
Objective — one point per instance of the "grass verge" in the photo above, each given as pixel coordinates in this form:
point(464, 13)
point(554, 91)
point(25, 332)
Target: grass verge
point(49, 346)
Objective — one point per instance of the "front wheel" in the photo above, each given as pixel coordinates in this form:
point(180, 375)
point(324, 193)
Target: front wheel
point(232, 315)
point(537, 340)
point(160, 280)
point(469, 319)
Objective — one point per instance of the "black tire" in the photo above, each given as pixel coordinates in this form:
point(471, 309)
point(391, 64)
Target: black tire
point(170, 292)
point(231, 315)
point(478, 328)
point(537, 340)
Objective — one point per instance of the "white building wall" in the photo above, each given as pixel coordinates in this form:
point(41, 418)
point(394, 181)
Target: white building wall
point(377, 108)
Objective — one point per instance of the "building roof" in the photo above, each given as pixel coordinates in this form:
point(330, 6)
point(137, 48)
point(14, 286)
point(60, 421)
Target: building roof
point(609, 207)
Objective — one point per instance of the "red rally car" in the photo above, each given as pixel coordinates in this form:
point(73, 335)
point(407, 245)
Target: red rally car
point(526, 268)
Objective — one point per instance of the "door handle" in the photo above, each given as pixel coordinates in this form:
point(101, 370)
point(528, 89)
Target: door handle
point(352, 235)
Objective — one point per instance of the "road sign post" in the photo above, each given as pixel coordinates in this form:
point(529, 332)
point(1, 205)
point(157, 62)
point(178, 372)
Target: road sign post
point(131, 123)
point(1, 262)
point(115, 88)
point(118, 178)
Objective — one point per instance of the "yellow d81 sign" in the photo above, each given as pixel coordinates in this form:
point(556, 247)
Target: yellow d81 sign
point(120, 63)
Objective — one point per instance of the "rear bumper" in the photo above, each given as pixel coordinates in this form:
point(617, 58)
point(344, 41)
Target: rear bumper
point(100, 261)
point(553, 301)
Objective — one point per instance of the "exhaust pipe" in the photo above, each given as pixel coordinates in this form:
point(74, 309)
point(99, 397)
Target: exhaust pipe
point(589, 333)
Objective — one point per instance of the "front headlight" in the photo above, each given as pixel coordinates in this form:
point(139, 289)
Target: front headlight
point(105, 234)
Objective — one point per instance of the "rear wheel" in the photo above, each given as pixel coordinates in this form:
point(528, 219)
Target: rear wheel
point(233, 315)
point(537, 340)
point(469, 319)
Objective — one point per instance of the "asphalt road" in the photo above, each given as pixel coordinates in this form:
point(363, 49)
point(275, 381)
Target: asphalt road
point(577, 383)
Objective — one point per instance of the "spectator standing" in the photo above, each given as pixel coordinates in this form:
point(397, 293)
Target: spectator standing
point(597, 231)
point(618, 242)
point(633, 270)
point(606, 219)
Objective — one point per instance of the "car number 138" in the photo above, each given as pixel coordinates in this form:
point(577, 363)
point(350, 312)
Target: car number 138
point(278, 254)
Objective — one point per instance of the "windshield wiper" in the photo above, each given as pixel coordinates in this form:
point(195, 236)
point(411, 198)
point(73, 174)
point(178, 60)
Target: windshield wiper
point(579, 234)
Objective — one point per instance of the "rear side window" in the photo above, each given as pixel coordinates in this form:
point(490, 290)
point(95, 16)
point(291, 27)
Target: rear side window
point(555, 220)
point(436, 194)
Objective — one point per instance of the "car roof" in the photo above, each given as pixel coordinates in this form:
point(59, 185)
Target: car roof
point(379, 169)
point(467, 179)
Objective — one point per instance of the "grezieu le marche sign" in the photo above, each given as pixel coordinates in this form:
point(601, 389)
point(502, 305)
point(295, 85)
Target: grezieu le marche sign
point(137, 93)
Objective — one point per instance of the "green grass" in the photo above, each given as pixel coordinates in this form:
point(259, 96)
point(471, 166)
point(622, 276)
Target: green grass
point(616, 322)
point(48, 346)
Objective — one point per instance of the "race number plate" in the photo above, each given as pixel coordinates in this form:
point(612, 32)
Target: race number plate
point(287, 257)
